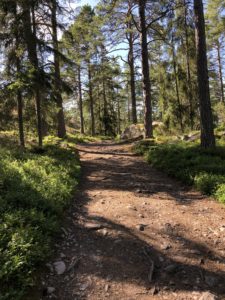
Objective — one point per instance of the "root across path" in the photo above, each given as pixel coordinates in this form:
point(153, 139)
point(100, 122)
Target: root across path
point(133, 233)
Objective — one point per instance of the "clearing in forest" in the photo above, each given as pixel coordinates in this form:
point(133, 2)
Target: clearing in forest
point(134, 233)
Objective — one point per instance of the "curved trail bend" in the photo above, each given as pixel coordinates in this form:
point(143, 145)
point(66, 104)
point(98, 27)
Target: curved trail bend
point(133, 233)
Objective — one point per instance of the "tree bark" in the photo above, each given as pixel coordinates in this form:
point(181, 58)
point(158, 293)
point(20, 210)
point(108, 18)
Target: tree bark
point(20, 119)
point(118, 114)
point(19, 95)
point(128, 104)
point(145, 70)
point(189, 80)
point(177, 87)
point(80, 101)
point(31, 43)
point(220, 71)
point(57, 76)
point(207, 131)
point(91, 100)
point(132, 73)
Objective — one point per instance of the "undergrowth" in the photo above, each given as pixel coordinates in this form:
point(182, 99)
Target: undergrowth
point(204, 169)
point(35, 188)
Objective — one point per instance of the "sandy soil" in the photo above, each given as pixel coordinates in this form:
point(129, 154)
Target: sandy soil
point(133, 233)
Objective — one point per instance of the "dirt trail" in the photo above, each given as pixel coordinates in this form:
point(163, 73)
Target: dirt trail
point(129, 220)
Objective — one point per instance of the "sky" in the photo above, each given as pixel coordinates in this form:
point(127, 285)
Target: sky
point(90, 2)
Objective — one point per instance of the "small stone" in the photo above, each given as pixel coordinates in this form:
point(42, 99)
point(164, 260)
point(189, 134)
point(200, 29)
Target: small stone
point(109, 277)
point(208, 296)
point(93, 226)
point(50, 290)
point(132, 207)
point(141, 227)
point(104, 232)
point(60, 267)
point(62, 255)
point(141, 216)
point(106, 288)
point(154, 291)
point(84, 286)
point(170, 269)
point(166, 247)
point(222, 229)
point(161, 259)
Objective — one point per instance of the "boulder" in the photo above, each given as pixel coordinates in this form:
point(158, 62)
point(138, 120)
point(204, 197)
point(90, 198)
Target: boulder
point(133, 132)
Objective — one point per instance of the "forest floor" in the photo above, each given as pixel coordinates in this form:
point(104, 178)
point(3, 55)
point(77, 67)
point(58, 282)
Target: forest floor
point(134, 233)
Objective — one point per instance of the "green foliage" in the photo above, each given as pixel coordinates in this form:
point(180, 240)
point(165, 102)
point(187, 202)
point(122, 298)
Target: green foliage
point(34, 191)
point(205, 169)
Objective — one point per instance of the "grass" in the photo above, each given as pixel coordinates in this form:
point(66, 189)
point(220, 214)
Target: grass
point(204, 169)
point(35, 189)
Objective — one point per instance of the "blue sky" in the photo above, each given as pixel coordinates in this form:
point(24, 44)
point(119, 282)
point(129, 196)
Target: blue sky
point(91, 2)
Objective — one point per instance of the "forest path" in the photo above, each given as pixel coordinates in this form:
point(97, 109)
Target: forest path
point(126, 217)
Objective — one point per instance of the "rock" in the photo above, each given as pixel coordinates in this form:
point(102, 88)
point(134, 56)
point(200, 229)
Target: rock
point(93, 226)
point(222, 229)
point(50, 290)
point(132, 207)
point(106, 288)
point(154, 291)
point(83, 287)
point(62, 255)
point(141, 227)
point(161, 259)
point(60, 267)
point(166, 247)
point(141, 216)
point(170, 269)
point(208, 296)
point(133, 131)
point(104, 232)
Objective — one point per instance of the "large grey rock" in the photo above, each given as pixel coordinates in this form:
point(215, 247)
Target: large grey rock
point(133, 132)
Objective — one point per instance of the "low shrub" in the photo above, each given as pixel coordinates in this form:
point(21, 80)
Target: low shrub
point(34, 191)
point(205, 169)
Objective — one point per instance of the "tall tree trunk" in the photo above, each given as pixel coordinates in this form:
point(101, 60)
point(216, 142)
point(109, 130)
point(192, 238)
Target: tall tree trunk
point(128, 104)
point(91, 100)
point(29, 27)
point(220, 70)
point(20, 118)
point(80, 101)
point(177, 88)
point(19, 95)
point(132, 73)
point(57, 76)
point(189, 80)
point(207, 132)
point(118, 113)
point(145, 70)
point(104, 104)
